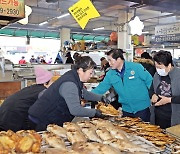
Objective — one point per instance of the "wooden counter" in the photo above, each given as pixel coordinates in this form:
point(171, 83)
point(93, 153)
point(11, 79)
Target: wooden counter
point(8, 88)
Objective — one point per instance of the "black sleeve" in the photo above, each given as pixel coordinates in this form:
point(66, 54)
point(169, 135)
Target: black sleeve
point(151, 91)
point(175, 100)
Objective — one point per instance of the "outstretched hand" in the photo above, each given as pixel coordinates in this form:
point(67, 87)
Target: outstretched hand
point(99, 114)
point(105, 100)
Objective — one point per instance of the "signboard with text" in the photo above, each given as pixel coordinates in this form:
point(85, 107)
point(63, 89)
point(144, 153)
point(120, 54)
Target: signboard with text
point(167, 33)
point(83, 11)
point(12, 8)
point(168, 38)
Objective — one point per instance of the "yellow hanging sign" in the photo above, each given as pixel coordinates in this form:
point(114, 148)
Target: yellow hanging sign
point(82, 11)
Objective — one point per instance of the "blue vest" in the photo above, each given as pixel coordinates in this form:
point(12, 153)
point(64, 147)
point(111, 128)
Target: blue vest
point(51, 107)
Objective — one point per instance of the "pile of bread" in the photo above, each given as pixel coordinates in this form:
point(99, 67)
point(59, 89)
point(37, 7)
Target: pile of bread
point(108, 109)
point(150, 132)
point(20, 142)
point(89, 137)
point(96, 136)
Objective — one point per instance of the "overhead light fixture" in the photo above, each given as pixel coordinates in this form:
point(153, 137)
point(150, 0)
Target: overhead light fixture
point(28, 11)
point(64, 15)
point(146, 32)
point(43, 23)
point(51, 1)
point(100, 28)
point(136, 26)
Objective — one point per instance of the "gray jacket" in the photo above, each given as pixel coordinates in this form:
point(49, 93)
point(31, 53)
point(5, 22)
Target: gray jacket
point(175, 87)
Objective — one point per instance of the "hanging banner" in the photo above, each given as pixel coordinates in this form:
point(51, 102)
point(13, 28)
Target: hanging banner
point(83, 11)
point(167, 29)
point(168, 38)
point(12, 8)
point(167, 33)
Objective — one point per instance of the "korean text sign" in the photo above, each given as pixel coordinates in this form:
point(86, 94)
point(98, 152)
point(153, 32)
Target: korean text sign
point(12, 8)
point(83, 11)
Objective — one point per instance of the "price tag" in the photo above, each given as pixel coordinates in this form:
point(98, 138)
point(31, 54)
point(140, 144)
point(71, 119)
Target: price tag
point(12, 8)
point(83, 11)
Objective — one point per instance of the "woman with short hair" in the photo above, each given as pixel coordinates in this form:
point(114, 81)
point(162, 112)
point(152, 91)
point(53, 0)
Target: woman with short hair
point(166, 90)
point(61, 102)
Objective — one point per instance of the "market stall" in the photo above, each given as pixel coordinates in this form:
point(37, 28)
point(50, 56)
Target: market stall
point(95, 136)
point(25, 73)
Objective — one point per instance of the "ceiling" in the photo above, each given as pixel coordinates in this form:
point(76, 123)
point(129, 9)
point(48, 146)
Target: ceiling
point(151, 12)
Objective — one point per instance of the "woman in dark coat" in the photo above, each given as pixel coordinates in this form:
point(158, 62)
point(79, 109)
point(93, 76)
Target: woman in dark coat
point(14, 110)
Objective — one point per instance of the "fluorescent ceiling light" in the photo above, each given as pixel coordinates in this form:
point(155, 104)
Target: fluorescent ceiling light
point(43, 23)
point(146, 32)
point(64, 15)
point(100, 28)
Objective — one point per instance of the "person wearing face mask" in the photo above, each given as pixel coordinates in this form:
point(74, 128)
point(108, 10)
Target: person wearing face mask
point(165, 90)
point(131, 81)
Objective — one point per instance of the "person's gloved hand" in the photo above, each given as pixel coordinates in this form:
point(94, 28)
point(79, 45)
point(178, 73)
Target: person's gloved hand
point(105, 100)
point(99, 114)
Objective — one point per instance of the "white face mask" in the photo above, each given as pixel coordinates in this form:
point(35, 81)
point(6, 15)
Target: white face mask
point(161, 72)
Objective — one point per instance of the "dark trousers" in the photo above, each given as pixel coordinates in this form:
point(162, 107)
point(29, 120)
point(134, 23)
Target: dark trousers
point(143, 114)
point(163, 121)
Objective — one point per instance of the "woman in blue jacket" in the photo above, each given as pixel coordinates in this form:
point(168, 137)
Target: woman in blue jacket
point(131, 82)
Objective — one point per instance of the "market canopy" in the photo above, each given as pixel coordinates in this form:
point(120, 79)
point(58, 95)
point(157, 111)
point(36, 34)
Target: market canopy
point(50, 34)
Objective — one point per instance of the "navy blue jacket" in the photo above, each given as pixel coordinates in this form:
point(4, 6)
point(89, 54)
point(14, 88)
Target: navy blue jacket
point(51, 107)
point(14, 110)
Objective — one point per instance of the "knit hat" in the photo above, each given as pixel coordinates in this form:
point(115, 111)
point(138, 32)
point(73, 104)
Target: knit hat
point(42, 75)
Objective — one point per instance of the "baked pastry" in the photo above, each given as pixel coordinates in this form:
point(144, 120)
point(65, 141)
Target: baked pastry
point(71, 126)
point(21, 142)
point(59, 151)
point(54, 141)
point(107, 110)
point(25, 141)
point(101, 123)
point(104, 134)
point(94, 148)
point(25, 144)
point(117, 133)
point(3, 150)
point(60, 131)
point(123, 145)
point(7, 142)
point(74, 133)
point(91, 134)
point(150, 132)
point(86, 124)
point(75, 136)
